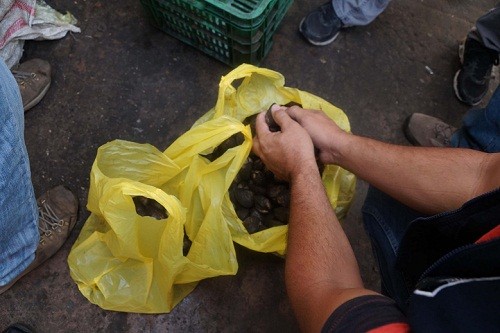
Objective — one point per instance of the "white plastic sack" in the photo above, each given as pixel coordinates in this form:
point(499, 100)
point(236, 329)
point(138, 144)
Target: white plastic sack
point(22, 20)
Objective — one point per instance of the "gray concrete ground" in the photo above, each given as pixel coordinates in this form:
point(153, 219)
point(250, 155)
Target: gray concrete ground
point(122, 78)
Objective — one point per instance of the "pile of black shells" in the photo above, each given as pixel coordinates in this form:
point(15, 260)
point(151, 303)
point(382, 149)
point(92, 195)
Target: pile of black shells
point(261, 200)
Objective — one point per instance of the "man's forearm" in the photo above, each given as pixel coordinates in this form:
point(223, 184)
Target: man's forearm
point(320, 262)
point(430, 180)
point(321, 271)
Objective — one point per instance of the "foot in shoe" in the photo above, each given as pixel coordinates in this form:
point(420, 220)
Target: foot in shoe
point(471, 82)
point(33, 78)
point(57, 215)
point(18, 328)
point(321, 26)
point(427, 131)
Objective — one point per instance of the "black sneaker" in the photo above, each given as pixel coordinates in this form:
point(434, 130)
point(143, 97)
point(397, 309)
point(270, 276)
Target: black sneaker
point(18, 328)
point(321, 26)
point(471, 82)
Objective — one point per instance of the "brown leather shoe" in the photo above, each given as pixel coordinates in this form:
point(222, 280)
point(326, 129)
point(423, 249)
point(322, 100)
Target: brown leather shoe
point(57, 215)
point(33, 78)
point(427, 131)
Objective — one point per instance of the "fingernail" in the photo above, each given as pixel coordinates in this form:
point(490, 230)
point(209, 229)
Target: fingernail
point(275, 107)
point(271, 123)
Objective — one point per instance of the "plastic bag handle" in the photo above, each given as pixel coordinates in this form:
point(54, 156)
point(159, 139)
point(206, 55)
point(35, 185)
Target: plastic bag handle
point(131, 189)
point(219, 129)
point(245, 70)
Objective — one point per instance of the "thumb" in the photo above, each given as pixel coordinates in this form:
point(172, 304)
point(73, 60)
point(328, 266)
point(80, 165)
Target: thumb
point(282, 118)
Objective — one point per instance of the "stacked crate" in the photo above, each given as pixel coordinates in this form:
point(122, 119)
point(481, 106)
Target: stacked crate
point(232, 31)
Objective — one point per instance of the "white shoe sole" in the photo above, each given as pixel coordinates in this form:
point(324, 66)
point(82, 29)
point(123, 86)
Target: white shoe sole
point(461, 50)
point(317, 43)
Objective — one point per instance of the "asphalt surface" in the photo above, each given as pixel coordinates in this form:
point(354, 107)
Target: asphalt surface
point(121, 78)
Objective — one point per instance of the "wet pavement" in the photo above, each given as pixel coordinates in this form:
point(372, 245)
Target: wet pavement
point(121, 78)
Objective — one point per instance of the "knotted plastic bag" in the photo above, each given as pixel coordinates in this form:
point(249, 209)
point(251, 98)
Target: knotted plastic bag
point(258, 90)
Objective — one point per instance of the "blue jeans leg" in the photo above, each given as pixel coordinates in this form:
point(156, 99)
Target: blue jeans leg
point(385, 220)
point(18, 209)
point(358, 12)
point(481, 127)
point(487, 29)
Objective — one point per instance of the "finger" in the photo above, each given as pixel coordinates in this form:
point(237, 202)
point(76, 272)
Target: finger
point(295, 112)
point(282, 118)
point(273, 125)
point(256, 146)
point(275, 107)
point(260, 125)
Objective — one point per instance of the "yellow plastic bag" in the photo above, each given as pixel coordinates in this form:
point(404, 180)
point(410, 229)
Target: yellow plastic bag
point(259, 89)
point(126, 262)
point(123, 261)
point(202, 185)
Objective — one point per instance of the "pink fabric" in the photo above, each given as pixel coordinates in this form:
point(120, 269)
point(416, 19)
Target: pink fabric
point(15, 15)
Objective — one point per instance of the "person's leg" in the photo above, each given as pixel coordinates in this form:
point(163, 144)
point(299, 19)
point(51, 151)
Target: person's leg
point(18, 210)
point(31, 230)
point(358, 12)
point(385, 221)
point(481, 128)
point(322, 25)
point(487, 30)
point(478, 54)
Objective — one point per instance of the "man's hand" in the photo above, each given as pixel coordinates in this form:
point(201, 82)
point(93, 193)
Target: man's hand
point(317, 280)
point(327, 137)
point(287, 153)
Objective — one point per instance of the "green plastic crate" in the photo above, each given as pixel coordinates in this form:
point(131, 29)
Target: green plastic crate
point(232, 31)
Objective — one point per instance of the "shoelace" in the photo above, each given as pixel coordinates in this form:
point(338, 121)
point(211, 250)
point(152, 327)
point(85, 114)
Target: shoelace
point(443, 134)
point(480, 66)
point(21, 77)
point(48, 220)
